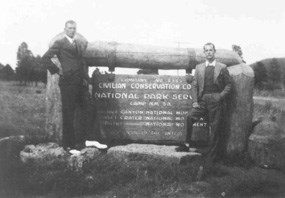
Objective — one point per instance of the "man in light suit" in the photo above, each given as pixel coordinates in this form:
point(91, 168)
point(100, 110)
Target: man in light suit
point(73, 80)
point(211, 85)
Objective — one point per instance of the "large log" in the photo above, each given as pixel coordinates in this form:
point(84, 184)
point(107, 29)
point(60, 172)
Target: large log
point(239, 110)
point(113, 54)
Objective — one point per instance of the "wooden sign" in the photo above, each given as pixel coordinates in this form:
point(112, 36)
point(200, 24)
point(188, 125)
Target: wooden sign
point(146, 108)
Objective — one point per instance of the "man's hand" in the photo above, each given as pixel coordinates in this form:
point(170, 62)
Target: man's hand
point(189, 79)
point(218, 97)
point(195, 105)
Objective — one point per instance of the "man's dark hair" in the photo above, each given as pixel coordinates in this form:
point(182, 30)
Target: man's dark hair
point(69, 22)
point(209, 44)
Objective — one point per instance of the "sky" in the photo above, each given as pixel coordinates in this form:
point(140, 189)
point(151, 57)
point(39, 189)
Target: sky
point(258, 26)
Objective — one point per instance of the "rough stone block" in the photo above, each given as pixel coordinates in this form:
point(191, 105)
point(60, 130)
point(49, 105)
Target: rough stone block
point(163, 153)
point(267, 145)
point(43, 154)
point(51, 156)
point(9, 153)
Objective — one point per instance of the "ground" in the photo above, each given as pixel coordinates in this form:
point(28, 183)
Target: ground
point(22, 109)
point(23, 113)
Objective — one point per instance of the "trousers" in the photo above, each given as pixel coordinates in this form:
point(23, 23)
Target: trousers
point(211, 109)
point(71, 99)
point(78, 115)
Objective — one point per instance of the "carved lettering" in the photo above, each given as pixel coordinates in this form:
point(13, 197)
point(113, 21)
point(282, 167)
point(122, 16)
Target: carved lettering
point(112, 85)
point(144, 107)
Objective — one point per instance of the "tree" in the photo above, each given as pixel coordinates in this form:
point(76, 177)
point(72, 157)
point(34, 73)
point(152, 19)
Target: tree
point(237, 49)
point(24, 70)
point(29, 68)
point(1, 66)
point(23, 51)
point(274, 74)
point(7, 73)
point(283, 78)
point(260, 75)
point(39, 72)
point(24, 63)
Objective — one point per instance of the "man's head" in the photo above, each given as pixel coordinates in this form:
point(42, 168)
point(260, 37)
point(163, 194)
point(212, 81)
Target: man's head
point(70, 28)
point(209, 51)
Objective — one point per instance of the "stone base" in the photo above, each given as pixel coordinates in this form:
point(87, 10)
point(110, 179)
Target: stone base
point(52, 153)
point(266, 145)
point(163, 153)
point(9, 152)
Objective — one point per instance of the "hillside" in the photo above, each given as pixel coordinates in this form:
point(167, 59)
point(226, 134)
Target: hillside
point(269, 73)
point(266, 62)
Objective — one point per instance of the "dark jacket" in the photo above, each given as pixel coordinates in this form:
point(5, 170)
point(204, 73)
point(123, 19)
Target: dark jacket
point(70, 59)
point(221, 78)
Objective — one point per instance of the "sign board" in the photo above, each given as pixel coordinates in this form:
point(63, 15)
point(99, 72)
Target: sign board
point(146, 108)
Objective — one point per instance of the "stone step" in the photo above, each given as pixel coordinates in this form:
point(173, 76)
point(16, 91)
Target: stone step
point(52, 153)
point(163, 153)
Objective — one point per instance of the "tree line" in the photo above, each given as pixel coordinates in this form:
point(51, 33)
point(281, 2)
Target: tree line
point(6, 72)
point(269, 75)
point(29, 69)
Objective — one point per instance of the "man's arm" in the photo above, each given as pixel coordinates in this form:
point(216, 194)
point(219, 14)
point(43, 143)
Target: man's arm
point(47, 58)
point(85, 73)
point(227, 82)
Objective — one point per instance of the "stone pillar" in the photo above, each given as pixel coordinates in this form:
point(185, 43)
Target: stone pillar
point(239, 111)
point(82, 118)
point(53, 108)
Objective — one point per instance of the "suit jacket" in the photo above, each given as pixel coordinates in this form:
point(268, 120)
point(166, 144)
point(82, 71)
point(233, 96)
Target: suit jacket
point(70, 58)
point(221, 78)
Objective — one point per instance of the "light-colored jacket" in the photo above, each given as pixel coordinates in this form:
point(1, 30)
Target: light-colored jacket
point(222, 79)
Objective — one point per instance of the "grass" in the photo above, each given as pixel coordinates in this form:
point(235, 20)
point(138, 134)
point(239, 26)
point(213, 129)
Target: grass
point(22, 113)
point(272, 109)
point(104, 176)
point(108, 177)
point(22, 109)
point(249, 182)
point(276, 93)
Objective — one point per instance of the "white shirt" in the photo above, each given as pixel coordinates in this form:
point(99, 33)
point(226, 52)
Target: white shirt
point(71, 40)
point(211, 64)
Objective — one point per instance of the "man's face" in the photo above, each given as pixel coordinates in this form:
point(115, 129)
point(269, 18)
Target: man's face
point(70, 29)
point(209, 52)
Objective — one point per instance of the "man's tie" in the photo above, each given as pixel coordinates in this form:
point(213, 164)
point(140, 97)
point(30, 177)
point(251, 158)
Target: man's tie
point(73, 43)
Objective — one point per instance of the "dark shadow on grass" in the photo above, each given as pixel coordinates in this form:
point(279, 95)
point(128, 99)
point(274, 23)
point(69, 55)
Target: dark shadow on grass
point(264, 188)
point(239, 160)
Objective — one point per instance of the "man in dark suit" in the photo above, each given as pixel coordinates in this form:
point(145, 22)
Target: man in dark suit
point(211, 85)
point(73, 81)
